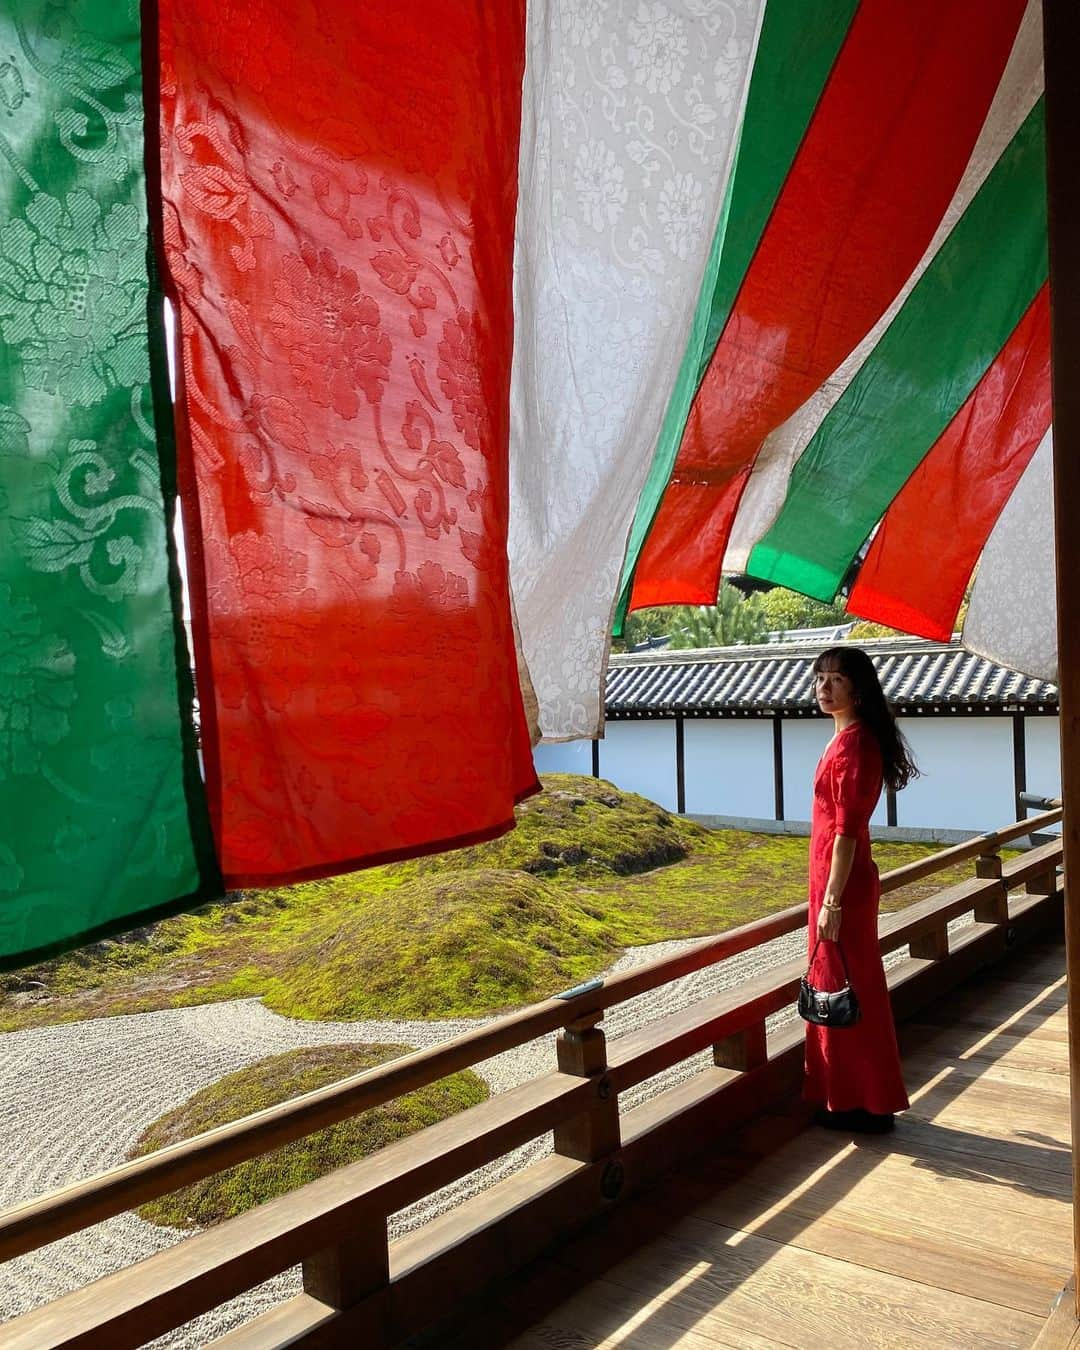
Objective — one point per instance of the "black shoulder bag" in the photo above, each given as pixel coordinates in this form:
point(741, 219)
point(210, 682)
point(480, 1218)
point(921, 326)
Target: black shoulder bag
point(839, 1009)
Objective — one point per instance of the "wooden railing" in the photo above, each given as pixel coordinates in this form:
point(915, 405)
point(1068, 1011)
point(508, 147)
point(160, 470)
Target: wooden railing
point(356, 1283)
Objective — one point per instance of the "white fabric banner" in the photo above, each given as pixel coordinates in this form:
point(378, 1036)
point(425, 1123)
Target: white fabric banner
point(1012, 615)
point(629, 120)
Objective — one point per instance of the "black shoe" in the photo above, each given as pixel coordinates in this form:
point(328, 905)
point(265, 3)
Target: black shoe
point(869, 1123)
point(835, 1120)
point(855, 1121)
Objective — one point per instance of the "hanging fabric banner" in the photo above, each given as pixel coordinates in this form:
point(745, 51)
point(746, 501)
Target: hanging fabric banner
point(879, 164)
point(795, 53)
point(1020, 88)
point(102, 822)
point(339, 194)
point(629, 122)
point(924, 551)
point(1012, 615)
point(938, 347)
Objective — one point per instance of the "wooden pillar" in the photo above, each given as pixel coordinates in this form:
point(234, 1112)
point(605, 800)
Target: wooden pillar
point(1061, 44)
point(1019, 763)
point(680, 765)
point(778, 764)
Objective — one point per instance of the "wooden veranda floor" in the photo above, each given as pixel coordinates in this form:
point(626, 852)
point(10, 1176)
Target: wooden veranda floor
point(954, 1231)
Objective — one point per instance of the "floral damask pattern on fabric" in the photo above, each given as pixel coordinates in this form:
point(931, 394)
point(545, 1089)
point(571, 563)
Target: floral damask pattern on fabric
point(99, 798)
point(1012, 616)
point(627, 142)
point(341, 252)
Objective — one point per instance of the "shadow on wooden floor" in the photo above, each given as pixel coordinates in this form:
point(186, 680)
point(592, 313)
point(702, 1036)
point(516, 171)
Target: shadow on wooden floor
point(955, 1230)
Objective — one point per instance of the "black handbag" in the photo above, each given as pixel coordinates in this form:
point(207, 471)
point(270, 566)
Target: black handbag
point(838, 1009)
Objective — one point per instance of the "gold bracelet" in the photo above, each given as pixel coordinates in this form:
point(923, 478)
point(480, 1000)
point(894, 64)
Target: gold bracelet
point(825, 905)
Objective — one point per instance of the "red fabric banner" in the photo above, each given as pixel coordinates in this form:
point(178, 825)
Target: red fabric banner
point(339, 187)
point(958, 491)
point(881, 159)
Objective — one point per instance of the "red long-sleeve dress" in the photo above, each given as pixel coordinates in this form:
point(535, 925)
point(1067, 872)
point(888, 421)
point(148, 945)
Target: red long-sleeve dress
point(856, 1066)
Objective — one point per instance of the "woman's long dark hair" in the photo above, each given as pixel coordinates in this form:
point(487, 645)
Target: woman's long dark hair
point(898, 763)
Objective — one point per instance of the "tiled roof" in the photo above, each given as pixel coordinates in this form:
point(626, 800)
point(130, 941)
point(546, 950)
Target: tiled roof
point(748, 681)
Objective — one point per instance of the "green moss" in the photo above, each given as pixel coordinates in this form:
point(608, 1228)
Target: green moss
point(588, 870)
point(274, 1080)
point(582, 827)
point(445, 946)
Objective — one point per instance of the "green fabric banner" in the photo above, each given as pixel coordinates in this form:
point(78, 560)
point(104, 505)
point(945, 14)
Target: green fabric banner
point(797, 49)
point(102, 820)
point(951, 328)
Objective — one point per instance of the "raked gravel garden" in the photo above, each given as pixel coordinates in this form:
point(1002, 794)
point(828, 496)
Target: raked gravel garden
point(81, 1078)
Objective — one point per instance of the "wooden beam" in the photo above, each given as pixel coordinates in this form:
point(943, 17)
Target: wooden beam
point(1061, 42)
point(778, 765)
point(680, 765)
point(1019, 762)
point(971, 848)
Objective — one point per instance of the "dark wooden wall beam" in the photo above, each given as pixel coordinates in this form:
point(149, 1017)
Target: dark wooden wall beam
point(1061, 50)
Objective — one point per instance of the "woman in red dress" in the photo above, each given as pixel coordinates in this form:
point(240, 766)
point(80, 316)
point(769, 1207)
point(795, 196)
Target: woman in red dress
point(852, 1072)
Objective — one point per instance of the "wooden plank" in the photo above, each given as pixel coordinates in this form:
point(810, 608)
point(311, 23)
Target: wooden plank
point(600, 1315)
point(900, 1194)
point(739, 1281)
point(1036, 862)
point(668, 1040)
point(928, 1257)
point(1061, 1330)
point(1022, 1068)
point(996, 1109)
point(972, 848)
point(973, 1026)
point(299, 1321)
point(928, 916)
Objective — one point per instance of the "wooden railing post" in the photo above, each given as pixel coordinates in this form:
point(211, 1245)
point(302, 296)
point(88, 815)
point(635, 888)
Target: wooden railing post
point(1046, 884)
point(351, 1271)
point(994, 908)
point(742, 1050)
point(582, 1051)
point(932, 946)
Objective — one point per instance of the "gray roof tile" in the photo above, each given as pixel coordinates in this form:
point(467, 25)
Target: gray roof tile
point(777, 678)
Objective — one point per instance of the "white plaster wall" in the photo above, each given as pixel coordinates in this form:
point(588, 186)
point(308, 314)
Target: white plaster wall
point(967, 765)
point(640, 757)
point(804, 742)
point(1043, 755)
point(564, 757)
point(967, 773)
point(729, 768)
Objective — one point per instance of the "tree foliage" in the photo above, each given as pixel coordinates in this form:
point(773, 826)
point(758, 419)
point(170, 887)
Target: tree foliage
point(787, 611)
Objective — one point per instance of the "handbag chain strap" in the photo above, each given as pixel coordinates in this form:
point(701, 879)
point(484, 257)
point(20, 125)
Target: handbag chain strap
point(843, 958)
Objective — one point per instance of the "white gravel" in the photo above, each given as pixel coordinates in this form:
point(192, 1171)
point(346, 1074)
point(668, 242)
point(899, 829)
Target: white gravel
point(74, 1098)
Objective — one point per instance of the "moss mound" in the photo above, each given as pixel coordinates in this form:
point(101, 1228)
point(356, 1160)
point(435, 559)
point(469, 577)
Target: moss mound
point(274, 1080)
point(445, 946)
point(583, 827)
point(588, 870)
